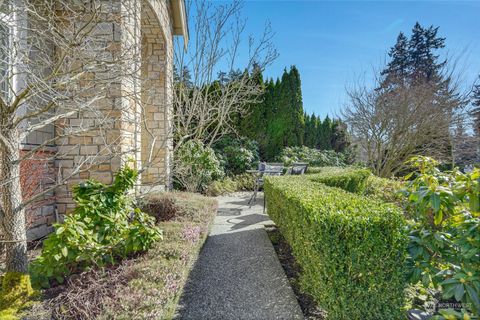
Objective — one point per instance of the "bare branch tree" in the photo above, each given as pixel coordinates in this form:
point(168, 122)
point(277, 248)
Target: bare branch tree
point(205, 107)
point(71, 89)
point(390, 126)
point(211, 92)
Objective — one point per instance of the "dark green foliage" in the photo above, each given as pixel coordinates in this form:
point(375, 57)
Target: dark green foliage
point(349, 179)
point(241, 182)
point(277, 119)
point(103, 228)
point(314, 157)
point(444, 248)
point(236, 154)
point(476, 108)
point(351, 248)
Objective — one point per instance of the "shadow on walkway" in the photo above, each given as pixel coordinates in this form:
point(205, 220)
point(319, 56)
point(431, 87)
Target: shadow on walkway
point(238, 275)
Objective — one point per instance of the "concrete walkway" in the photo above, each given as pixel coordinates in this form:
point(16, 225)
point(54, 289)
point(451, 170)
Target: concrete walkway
point(238, 275)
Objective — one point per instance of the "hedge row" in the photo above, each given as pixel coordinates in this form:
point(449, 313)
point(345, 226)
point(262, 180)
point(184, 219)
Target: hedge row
point(349, 179)
point(351, 248)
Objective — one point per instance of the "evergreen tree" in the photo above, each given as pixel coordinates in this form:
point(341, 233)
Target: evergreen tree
point(290, 109)
point(476, 108)
point(340, 139)
point(422, 58)
point(310, 139)
point(397, 68)
point(252, 124)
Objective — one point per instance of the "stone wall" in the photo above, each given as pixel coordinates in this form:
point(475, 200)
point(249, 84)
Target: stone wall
point(125, 135)
point(157, 86)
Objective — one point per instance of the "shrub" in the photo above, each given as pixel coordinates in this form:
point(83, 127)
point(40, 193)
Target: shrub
point(236, 154)
point(349, 179)
point(245, 182)
point(314, 157)
point(161, 206)
point(351, 248)
point(384, 189)
point(220, 187)
point(196, 166)
point(444, 248)
point(103, 227)
point(241, 182)
point(15, 292)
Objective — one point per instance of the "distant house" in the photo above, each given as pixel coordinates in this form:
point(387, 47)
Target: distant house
point(159, 21)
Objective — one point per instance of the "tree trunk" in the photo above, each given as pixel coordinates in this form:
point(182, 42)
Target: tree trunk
point(12, 215)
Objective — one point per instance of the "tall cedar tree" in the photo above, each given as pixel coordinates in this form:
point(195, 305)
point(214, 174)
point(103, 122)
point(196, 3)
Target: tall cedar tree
point(278, 119)
point(476, 108)
point(291, 108)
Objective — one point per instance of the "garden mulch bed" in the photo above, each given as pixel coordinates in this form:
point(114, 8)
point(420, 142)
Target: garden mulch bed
point(310, 309)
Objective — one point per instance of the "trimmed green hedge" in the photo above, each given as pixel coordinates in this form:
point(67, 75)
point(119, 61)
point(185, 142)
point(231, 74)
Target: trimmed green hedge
point(351, 248)
point(349, 179)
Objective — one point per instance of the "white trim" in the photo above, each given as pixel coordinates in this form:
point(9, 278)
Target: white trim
point(180, 23)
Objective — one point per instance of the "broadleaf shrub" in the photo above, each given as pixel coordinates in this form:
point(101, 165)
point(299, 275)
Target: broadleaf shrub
point(236, 155)
point(444, 248)
point(351, 248)
point(104, 227)
point(314, 157)
point(196, 165)
point(241, 182)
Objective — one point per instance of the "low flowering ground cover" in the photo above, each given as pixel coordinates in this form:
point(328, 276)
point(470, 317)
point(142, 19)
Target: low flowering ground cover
point(143, 286)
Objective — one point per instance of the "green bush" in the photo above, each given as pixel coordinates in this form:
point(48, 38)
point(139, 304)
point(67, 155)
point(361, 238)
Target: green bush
point(351, 248)
point(196, 165)
point(314, 157)
point(220, 187)
point(349, 179)
point(245, 182)
point(384, 189)
point(444, 248)
point(236, 155)
point(241, 182)
point(103, 228)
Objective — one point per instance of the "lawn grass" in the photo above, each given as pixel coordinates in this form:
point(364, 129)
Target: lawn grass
point(147, 286)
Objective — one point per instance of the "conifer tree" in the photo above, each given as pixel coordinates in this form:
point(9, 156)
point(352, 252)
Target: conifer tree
point(397, 68)
point(476, 108)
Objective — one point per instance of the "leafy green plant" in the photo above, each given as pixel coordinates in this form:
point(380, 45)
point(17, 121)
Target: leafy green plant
point(104, 227)
point(236, 155)
point(351, 248)
point(220, 187)
point(314, 157)
point(196, 165)
point(444, 249)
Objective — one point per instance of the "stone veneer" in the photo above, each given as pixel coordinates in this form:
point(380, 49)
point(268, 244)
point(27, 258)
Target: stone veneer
point(153, 29)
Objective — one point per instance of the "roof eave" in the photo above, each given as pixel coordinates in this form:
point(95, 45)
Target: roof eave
point(180, 23)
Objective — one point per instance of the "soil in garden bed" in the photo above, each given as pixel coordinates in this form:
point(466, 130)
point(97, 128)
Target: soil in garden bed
point(310, 309)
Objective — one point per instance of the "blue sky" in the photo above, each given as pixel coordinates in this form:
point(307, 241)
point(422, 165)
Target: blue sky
point(335, 42)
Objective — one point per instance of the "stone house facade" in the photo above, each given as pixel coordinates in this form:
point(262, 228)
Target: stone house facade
point(154, 27)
